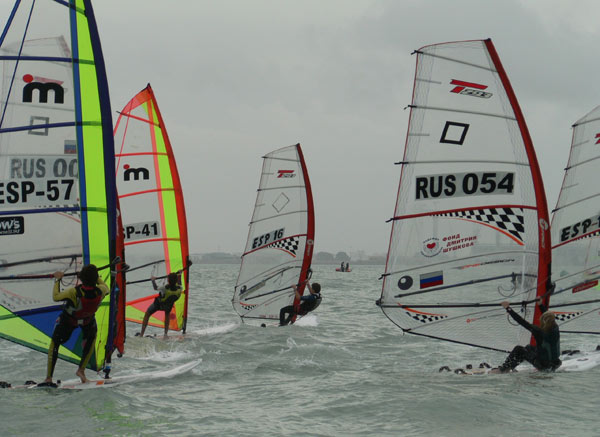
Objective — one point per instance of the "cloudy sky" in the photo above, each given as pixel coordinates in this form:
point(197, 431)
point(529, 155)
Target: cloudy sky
point(237, 79)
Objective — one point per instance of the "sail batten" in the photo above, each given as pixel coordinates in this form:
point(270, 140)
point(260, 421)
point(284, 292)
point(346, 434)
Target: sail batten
point(470, 227)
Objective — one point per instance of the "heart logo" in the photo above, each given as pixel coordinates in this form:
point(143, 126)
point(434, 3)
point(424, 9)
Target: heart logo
point(431, 245)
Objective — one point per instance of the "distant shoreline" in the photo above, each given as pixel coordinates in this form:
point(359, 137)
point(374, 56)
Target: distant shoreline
point(353, 263)
point(227, 258)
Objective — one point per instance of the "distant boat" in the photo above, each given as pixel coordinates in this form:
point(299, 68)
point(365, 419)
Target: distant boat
point(152, 207)
point(576, 233)
point(57, 155)
point(280, 241)
point(470, 194)
point(343, 271)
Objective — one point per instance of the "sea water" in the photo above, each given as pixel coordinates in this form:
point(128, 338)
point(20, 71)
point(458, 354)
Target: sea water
point(344, 371)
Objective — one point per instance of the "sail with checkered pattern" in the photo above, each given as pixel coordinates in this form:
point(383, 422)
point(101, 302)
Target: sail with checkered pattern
point(279, 248)
point(470, 228)
point(576, 233)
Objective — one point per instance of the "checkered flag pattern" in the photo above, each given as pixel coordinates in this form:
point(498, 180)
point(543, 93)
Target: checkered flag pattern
point(562, 317)
point(426, 318)
point(288, 244)
point(508, 219)
point(593, 234)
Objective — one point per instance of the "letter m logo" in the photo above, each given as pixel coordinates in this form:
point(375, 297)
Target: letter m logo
point(43, 90)
point(137, 173)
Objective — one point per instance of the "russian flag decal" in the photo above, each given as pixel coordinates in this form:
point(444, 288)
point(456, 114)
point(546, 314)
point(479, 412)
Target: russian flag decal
point(432, 279)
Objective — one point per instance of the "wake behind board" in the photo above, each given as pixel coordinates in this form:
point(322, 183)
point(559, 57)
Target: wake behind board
point(76, 384)
point(211, 330)
point(575, 362)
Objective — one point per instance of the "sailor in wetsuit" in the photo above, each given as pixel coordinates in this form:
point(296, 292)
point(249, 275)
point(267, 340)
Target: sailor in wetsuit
point(307, 303)
point(543, 356)
point(81, 304)
point(167, 295)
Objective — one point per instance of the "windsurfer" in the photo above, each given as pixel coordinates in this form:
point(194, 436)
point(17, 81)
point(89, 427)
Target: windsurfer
point(167, 296)
point(543, 356)
point(81, 304)
point(307, 303)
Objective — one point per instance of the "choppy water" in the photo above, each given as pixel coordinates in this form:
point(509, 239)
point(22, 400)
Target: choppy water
point(347, 372)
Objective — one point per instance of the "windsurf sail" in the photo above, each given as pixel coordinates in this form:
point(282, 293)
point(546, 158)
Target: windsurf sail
point(576, 233)
point(57, 187)
point(280, 241)
point(152, 208)
point(470, 227)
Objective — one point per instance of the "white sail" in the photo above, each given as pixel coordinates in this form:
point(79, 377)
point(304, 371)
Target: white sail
point(279, 249)
point(576, 233)
point(470, 228)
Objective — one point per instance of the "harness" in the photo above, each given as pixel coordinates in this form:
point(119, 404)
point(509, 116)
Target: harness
point(308, 306)
point(166, 302)
point(88, 302)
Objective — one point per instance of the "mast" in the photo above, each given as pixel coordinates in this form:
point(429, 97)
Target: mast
point(545, 245)
point(310, 232)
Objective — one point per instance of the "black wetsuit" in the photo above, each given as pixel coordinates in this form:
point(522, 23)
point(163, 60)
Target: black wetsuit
point(307, 304)
point(543, 356)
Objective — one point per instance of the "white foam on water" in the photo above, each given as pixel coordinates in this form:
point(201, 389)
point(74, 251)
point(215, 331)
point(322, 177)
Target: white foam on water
point(216, 329)
point(307, 320)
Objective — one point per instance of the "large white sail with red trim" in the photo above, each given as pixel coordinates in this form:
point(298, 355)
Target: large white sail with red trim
point(470, 228)
point(576, 233)
point(279, 249)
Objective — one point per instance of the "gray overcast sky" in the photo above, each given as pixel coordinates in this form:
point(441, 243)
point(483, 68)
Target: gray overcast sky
point(237, 79)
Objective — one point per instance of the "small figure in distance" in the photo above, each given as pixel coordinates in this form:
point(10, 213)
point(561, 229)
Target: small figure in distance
point(80, 305)
point(543, 356)
point(342, 267)
point(307, 303)
point(167, 296)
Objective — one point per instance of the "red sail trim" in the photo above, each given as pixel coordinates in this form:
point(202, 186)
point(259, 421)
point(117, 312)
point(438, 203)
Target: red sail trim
point(502, 231)
point(545, 244)
point(129, 243)
point(119, 155)
point(447, 211)
point(154, 190)
point(310, 232)
point(586, 235)
point(180, 204)
point(144, 120)
point(119, 340)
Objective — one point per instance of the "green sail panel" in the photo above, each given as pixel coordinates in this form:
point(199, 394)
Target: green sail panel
point(57, 190)
point(152, 209)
